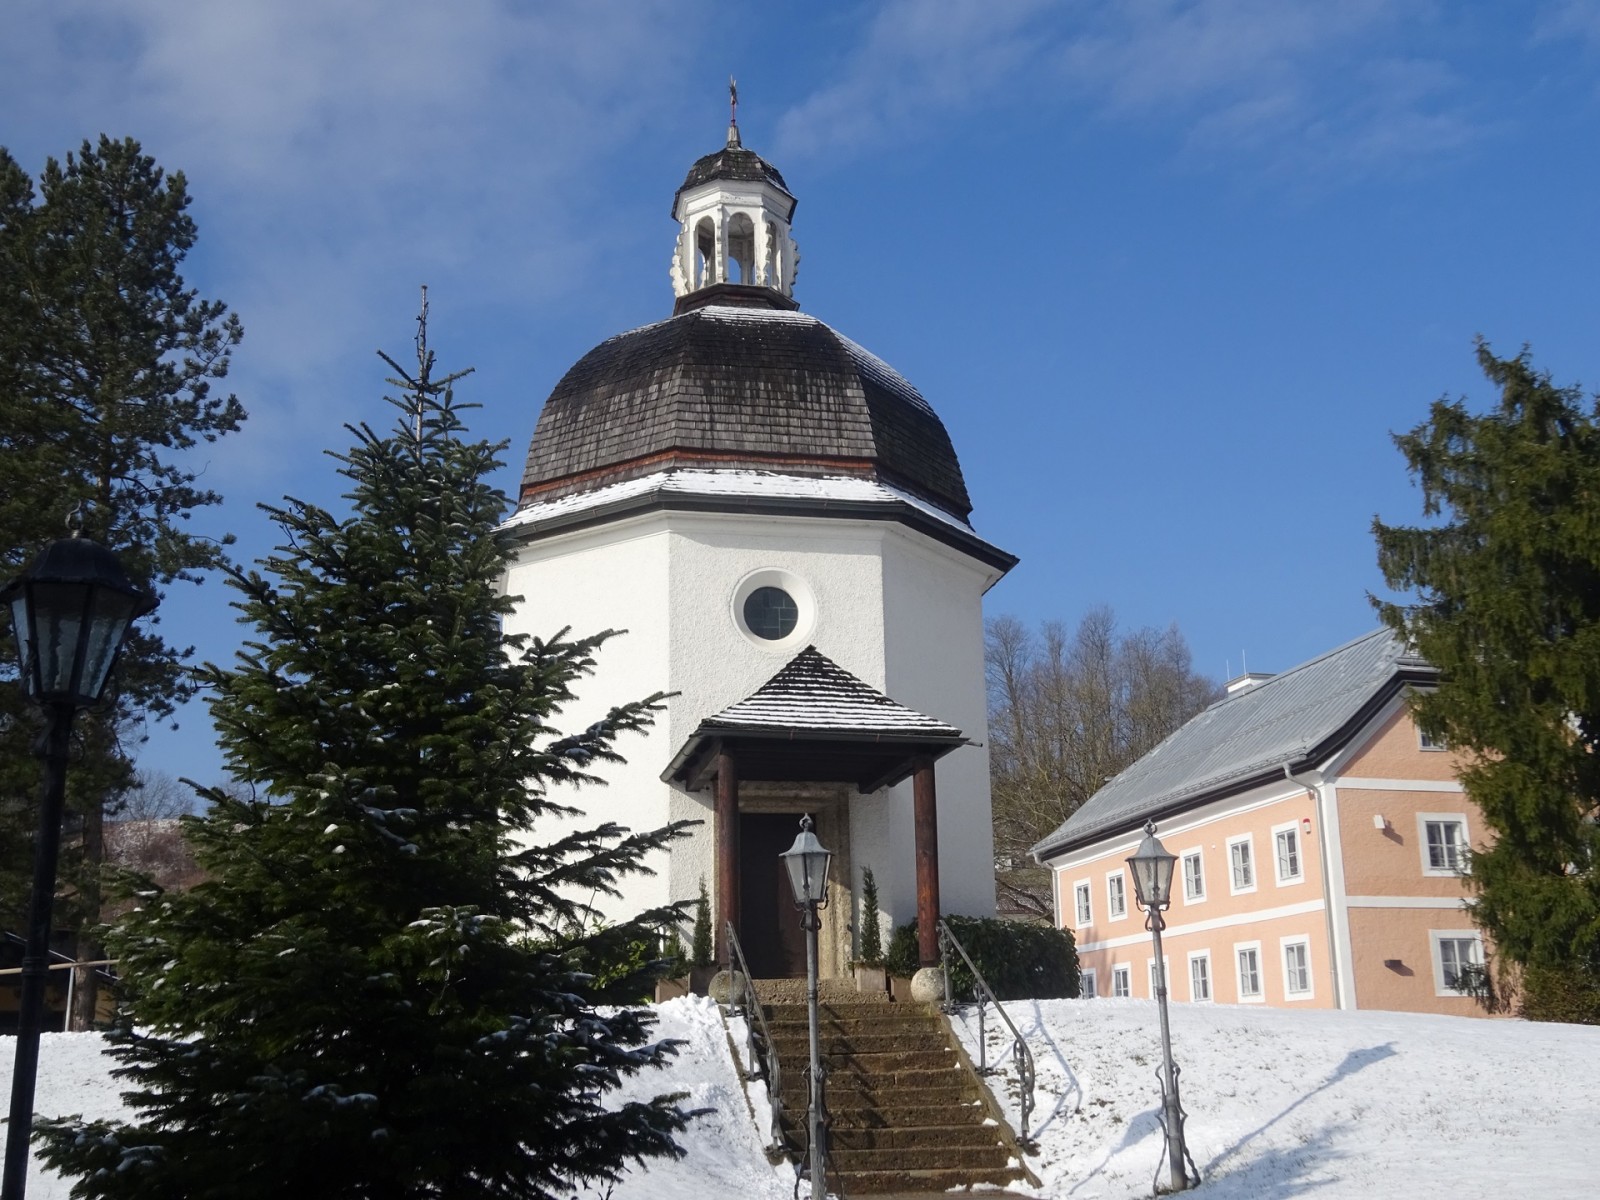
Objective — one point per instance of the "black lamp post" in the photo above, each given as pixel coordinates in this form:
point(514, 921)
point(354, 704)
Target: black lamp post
point(807, 863)
point(1152, 886)
point(70, 610)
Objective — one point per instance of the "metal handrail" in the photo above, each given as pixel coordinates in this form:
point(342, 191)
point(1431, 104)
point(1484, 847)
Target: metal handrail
point(1020, 1054)
point(764, 1049)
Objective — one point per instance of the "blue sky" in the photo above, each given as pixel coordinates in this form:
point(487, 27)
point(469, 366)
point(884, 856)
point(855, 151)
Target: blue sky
point(1171, 272)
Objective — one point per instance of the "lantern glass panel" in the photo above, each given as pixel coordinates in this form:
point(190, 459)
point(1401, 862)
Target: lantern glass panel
point(807, 863)
point(112, 612)
point(58, 612)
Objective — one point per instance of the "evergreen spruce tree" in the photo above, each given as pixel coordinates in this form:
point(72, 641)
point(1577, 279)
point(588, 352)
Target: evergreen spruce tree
point(871, 935)
point(379, 992)
point(700, 952)
point(1507, 605)
point(107, 366)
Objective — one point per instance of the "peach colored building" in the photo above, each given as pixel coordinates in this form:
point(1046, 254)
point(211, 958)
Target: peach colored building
point(1320, 842)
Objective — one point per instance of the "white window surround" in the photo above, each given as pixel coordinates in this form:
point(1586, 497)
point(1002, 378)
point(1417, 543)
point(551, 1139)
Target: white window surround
point(1424, 742)
point(1249, 971)
point(1082, 906)
point(1241, 873)
point(1116, 895)
point(1086, 984)
point(1288, 835)
point(1295, 955)
point(1200, 985)
point(1424, 819)
point(1465, 947)
point(1192, 864)
point(1122, 980)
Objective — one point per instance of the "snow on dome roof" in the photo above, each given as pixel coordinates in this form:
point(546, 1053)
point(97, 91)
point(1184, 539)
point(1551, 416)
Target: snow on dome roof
point(736, 387)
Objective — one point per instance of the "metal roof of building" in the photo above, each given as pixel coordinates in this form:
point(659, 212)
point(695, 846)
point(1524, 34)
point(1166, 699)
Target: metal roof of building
point(1295, 719)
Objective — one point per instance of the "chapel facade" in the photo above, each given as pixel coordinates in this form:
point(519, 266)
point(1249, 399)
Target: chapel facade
point(779, 521)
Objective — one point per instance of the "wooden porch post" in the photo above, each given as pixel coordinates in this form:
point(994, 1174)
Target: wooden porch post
point(727, 815)
point(926, 820)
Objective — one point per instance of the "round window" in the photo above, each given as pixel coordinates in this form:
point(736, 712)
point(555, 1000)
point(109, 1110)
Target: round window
point(771, 613)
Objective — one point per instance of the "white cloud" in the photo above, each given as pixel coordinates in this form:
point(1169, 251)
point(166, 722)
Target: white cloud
point(341, 150)
point(1293, 83)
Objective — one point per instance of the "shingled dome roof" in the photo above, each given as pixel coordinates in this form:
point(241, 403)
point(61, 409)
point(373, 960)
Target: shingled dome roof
point(736, 163)
point(735, 387)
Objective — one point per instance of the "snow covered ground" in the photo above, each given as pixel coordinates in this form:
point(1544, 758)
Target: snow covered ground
point(1281, 1104)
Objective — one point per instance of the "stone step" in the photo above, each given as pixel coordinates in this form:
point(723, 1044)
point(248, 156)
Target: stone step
point(923, 1182)
point(833, 1010)
point(882, 1081)
point(920, 1136)
point(894, 1115)
point(992, 1157)
point(847, 1099)
point(795, 1045)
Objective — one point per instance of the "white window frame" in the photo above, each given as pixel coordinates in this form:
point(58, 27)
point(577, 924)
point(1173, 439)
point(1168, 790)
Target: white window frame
point(1086, 985)
point(1183, 865)
point(1285, 944)
point(1082, 903)
point(1202, 956)
point(1424, 742)
point(1436, 951)
point(1150, 974)
point(1259, 996)
point(1121, 978)
point(1248, 841)
point(1292, 828)
point(1116, 896)
point(1424, 819)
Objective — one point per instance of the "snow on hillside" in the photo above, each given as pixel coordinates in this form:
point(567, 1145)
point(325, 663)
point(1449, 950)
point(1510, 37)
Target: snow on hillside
point(1339, 1106)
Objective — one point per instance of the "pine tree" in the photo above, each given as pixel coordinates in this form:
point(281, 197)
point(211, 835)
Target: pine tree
point(381, 991)
point(700, 952)
point(1507, 584)
point(871, 935)
point(107, 361)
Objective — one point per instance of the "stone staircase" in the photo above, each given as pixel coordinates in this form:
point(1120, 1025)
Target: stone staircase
point(906, 1115)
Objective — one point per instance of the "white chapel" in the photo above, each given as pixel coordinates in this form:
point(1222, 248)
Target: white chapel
point(778, 520)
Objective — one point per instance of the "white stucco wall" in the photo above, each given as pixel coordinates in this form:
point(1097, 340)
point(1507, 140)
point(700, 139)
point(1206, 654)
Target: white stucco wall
point(894, 607)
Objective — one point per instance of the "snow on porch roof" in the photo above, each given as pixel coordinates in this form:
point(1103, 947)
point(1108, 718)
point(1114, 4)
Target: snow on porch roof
point(848, 730)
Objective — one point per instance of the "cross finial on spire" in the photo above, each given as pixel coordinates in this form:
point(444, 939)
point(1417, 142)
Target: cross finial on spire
point(733, 111)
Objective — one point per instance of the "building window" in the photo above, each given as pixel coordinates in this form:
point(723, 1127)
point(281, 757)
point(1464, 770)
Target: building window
point(1286, 849)
point(1166, 973)
point(1297, 968)
point(1086, 988)
point(1080, 902)
point(771, 613)
point(1444, 843)
point(1249, 959)
point(1200, 975)
point(1121, 982)
point(1457, 960)
point(1116, 896)
point(1241, 865)
point(1429, 742)
point(1194, 877)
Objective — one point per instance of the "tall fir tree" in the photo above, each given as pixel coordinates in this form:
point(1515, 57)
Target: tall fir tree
point(381, 991)
point(1506, 578)
point(107, 361)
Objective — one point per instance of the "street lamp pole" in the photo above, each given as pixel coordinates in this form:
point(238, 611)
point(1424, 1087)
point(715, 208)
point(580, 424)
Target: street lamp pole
point(807, 863)
point(70, 611)
point(1152, 885)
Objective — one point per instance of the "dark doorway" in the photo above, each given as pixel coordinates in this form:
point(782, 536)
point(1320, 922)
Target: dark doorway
point(774, 943)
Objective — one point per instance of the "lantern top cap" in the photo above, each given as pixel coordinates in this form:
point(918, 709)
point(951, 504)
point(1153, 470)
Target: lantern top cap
point(77, 560)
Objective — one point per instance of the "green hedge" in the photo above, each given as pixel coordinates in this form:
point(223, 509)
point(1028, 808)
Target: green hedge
point(1019, 961)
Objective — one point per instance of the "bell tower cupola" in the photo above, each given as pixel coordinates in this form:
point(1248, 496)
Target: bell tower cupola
point(733, 213)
